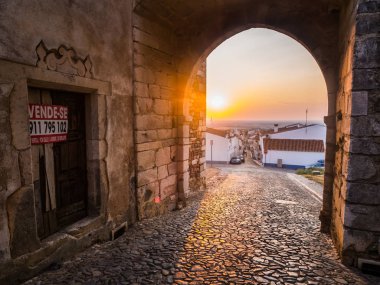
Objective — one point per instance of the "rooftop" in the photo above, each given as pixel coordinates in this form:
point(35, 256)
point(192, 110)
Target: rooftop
point(293, 145)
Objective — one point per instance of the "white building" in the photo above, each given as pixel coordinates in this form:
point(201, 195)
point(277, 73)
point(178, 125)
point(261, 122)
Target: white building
point(292, 153)
point(220, 147)
point(293, 146)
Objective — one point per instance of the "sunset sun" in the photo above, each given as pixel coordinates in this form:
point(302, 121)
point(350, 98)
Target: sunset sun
point(217, 102)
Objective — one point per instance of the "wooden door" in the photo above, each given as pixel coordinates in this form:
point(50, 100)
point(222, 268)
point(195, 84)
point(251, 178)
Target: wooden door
point(70, 162)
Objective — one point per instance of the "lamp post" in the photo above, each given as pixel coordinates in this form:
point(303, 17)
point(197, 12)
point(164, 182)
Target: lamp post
point(211, 143)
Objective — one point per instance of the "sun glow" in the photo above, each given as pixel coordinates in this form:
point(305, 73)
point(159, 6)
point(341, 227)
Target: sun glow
point(217, 102)
point(261, 74)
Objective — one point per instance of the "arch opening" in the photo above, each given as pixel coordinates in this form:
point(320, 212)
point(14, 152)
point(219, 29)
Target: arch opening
point(195, 95)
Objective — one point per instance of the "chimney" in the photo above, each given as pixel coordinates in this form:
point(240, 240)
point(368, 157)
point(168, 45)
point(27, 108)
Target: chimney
point(275, 128)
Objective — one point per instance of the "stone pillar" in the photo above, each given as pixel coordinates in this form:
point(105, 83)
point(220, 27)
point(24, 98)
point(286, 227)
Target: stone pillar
point(155, 85)
point(197, 129)
point(356, 195)
point(326, 212)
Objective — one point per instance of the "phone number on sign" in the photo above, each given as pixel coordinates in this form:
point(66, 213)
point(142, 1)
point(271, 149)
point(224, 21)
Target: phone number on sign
point(48, 127)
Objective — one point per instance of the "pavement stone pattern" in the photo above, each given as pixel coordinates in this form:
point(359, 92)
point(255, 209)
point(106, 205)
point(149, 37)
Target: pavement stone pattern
point(249, 227)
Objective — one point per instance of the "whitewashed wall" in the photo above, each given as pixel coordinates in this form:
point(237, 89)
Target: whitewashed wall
point(317, 132)
point(293, 157)
point(220, 148)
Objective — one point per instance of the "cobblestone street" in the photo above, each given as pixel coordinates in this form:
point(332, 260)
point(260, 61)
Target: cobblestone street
point(252, 226)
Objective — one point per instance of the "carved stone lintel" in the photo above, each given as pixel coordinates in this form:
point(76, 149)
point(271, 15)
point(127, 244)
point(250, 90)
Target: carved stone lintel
point(63, 60)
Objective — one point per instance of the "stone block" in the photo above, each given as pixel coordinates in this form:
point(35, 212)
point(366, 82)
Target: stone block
point(374, 102)
point(19, 117)
point(366, 79)
point(168, 186)
point(173, 152)
point(162, 107)
point(96, 149)
point(371, 6)
point(144, 75)
point(361, 193)
point(93, 114)
point(163, 156)
point(143, 105)
point(163, 79)
point(12, 171)
point(154, 91)
point(148, 192)
point(168, 191)
point(184, 131)
point(367, 24)
point(183, 166)
point(141, 89)
point(362, 217)
point(149, 145)
point(345, 165)
point(365, 126)
point(165, 134)
point(21, 222)
point(147, 177)
point(153, 122)
point(25, 161)
point(345, 125)
point(172, 168)
point(366, 53)
point(163, 172)
point(4, 230)
point(166, 93)
point(183, 186)
point(183, 141)
point(169, 142)
point(145, 39)
point(359, 103)
point(361, 168)
point(146, 136)
point(183, 152)
point(146, 159)
point(370, 146)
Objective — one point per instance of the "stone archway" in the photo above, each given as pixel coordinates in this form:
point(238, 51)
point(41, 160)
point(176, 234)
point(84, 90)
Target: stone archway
point(193, 89)
point(170, 42)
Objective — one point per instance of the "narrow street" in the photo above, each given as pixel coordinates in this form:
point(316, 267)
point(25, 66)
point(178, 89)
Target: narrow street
point(252, 226)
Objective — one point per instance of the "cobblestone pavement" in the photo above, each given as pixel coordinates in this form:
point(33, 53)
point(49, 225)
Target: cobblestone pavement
point(252, 226)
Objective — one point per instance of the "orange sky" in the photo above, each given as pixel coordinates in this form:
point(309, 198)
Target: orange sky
point(261, 74)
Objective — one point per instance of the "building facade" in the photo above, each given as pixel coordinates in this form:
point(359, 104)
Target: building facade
point(221, 147)
point(294, 146)
point(292, 153)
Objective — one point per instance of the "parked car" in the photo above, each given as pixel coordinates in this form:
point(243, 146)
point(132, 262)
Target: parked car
point(242, 158)
point(319, 164)
point(235, 160)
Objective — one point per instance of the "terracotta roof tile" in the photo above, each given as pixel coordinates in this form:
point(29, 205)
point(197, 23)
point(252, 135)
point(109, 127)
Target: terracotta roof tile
point(294, 145)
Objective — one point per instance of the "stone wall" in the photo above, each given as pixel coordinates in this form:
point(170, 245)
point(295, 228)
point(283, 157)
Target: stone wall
point(197, 128)
point(356, 211)
point(155, 116)
point(105, 45)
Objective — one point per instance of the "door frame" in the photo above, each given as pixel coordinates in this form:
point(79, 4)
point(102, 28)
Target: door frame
point(20, 77)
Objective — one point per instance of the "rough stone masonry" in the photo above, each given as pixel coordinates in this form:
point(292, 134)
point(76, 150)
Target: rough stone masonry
point(138, 66)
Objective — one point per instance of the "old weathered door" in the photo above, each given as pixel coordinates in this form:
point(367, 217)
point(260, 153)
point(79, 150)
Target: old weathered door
point(70, 162)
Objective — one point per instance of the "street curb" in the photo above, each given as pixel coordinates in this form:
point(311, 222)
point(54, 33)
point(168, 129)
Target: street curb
point(311, 191)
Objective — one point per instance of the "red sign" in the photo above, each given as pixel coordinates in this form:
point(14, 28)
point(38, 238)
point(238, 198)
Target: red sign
point(48, 123)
